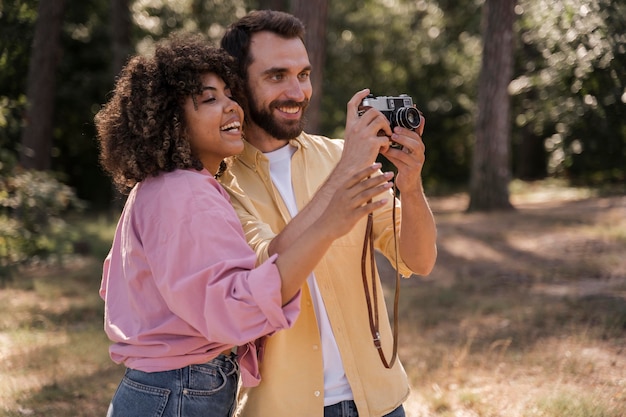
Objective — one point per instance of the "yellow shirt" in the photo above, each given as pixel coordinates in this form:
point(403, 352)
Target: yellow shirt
point(291, 364)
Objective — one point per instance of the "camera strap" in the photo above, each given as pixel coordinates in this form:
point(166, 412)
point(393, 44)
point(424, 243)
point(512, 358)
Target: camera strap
point(372, 300)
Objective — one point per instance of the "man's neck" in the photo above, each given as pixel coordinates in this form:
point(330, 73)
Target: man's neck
point(262, 140)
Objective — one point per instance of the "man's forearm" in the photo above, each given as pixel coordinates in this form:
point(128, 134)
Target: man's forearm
point(418, 233)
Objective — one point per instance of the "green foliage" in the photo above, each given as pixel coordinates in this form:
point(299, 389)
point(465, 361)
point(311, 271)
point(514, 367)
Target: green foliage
point(570, 90)
point(84, 79)
point(32, 228)
point(17, 18)
point(158, 18)
point(428, 50)
point(16, 35)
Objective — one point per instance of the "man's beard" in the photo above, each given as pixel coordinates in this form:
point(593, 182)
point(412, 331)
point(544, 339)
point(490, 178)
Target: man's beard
point(283, 130)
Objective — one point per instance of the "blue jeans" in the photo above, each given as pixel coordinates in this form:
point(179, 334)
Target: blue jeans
point(348, 409)
point(202, 390)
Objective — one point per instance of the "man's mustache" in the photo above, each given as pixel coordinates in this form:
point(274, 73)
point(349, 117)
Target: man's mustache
point(290, 103)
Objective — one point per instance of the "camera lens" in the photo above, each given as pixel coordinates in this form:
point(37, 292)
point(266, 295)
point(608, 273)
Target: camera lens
point(408, 117)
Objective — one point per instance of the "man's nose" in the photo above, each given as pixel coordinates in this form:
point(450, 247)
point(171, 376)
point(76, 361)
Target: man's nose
point(295, 90)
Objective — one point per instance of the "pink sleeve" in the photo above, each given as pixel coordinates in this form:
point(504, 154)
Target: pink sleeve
point(205, 271)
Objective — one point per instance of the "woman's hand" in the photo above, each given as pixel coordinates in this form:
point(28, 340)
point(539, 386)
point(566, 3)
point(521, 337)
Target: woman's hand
point(354, 199)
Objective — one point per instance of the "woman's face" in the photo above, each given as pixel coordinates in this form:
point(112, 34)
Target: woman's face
point(213, 123)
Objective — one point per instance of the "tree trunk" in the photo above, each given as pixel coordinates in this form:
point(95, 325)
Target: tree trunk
point(120, 30)
point(45, 54)
point(280, 5)
point(491, 166)
point(314, 15)
point(121, 25)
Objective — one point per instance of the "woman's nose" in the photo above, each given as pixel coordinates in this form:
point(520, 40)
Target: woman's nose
point(231, 106)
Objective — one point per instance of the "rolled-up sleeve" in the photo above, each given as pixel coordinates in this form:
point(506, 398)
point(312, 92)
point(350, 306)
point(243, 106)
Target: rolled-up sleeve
point(206, 272)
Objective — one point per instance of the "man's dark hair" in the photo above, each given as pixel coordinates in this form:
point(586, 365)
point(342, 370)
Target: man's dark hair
point(236, 40)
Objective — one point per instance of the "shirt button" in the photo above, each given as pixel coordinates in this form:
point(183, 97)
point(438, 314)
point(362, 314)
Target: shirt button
point(316, 393)
point(315, 347)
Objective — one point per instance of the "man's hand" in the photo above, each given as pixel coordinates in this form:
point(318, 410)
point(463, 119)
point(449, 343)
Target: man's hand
point(409, 159)
point(363, 142)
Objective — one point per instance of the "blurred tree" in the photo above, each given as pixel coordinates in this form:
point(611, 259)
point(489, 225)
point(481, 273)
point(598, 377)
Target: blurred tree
point(428, 50)
point(84, 80)
point(570, 90)
point(17, 20)
point(491, 165)
point(314, 14)
point(282, 5)
point(121, 27)
point(122, 47)
point(155, 19)
point(45, 55)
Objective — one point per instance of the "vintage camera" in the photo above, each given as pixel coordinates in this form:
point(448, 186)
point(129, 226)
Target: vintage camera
point(398, 110)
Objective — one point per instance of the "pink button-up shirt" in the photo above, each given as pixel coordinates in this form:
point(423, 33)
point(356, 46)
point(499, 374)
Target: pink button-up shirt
point(180, 283)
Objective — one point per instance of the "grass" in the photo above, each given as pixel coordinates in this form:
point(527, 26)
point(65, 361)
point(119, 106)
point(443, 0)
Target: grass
point(523, 316)
point(53, 351)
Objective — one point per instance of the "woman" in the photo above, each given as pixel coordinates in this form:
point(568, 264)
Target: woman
point(180, 284)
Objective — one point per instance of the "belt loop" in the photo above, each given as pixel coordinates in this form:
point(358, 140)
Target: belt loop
point(232, 358)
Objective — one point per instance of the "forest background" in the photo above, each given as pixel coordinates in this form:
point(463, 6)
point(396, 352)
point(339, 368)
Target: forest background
point(533, 89)
point(567, 91)
point(564, 108)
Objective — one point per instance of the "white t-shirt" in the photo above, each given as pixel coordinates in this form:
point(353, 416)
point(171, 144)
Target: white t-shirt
point(336, 386)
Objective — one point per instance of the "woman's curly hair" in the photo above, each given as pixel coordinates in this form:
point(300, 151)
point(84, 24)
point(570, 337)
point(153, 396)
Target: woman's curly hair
point(141, 129)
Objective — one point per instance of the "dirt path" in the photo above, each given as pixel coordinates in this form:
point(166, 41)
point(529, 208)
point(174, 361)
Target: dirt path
point(525, 311)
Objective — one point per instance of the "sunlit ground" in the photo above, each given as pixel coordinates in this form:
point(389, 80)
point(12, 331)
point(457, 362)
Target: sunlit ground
point(523, 316)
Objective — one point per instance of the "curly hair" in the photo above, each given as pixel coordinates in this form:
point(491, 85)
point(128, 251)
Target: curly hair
point(141, 129)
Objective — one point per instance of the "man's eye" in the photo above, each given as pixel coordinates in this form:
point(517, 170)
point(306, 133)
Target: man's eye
point(305, 75)
point(277, 77)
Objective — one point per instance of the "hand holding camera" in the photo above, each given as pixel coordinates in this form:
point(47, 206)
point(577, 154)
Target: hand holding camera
point(406, 150)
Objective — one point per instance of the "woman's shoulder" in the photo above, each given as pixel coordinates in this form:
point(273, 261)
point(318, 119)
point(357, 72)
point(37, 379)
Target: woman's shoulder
point(181, 187)
point(179, 180)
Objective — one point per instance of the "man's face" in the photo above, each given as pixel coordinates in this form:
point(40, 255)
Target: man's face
point(279, 87)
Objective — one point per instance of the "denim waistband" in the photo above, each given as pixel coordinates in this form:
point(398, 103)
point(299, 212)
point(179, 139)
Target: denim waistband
point(224, 363)
point(348, 409)
point(341, 409)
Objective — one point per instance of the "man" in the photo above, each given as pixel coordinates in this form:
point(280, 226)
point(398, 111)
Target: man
point(326, 364)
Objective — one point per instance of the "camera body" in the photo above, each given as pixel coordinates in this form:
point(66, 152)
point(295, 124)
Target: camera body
point(398, 110)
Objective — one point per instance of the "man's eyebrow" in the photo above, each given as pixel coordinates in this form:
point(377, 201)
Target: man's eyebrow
point(278, 70)
point(274, 70)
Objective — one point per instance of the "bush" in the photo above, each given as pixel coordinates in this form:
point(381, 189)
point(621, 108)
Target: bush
point(32, 228)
